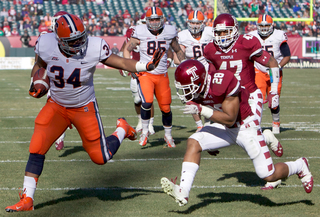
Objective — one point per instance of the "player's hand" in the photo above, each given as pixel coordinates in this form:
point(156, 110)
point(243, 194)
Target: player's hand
point(35, 93)
point(214, 153)
point(154, 62)
point(123, 73)
point(169, 60)
point(273, 100)
point(192, 108)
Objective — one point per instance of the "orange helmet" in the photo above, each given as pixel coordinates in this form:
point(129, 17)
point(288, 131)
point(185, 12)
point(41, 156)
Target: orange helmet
point(265, 25)
point(71, 34)
point(196, 22)
point(55, 18)
point(154, 18)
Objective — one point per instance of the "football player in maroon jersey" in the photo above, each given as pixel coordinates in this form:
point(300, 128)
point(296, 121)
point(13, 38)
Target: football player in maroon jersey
point(218, 96)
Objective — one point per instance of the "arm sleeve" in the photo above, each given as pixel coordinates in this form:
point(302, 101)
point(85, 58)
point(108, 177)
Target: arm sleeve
point(285, 50)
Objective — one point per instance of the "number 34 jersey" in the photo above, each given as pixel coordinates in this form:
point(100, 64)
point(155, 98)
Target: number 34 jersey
point(237, 59)
point(149, 43)
point(71, 79)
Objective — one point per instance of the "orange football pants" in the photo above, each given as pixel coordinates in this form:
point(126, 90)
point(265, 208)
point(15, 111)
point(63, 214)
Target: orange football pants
point(54, 119)
point(264, 84)
point(158, 85)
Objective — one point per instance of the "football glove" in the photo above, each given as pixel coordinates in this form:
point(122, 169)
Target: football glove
point(169, 60)
point(35, 93)
point(154, 62)
point(192, 108)
point(273, 100)
point(123, 73)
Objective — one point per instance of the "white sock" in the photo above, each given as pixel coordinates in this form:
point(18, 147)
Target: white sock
point(120, 133)
point(145, 126)
point(29, 186)
point(188, 173)
point(167, 132)
point(199, 123)
point(294, 167)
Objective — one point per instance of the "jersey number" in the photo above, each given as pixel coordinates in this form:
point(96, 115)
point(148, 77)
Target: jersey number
point(198, 51)
point(233, 64)
point(217, 78)
point(268, 48)
point(152, 46)
point(74, 78)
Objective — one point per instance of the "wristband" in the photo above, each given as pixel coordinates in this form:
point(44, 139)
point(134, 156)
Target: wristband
point(141, 67)
point(206, 112)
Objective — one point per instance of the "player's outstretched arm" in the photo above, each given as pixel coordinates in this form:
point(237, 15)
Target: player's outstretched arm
point(177, 49)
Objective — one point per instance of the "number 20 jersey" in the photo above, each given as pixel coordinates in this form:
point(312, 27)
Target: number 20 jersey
point(71, 79)
point(237, 59)
point(149, 43)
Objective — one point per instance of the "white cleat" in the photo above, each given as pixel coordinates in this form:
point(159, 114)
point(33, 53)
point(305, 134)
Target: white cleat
point(305, 176)
point(199, 128)
point(271, 185)
point(139, 126)
point(273, 143)
point(151, 129)
point(143, 139)
point(175, 191)
point(276, 127)
point(169, 141)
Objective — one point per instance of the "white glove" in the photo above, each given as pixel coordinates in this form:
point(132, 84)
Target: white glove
point(124, 73)
point(192, 109)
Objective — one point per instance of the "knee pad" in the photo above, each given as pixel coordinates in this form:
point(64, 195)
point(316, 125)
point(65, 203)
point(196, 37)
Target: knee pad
point(146, 111)
point(136, 98)
point(167, 118)
point(35, 164)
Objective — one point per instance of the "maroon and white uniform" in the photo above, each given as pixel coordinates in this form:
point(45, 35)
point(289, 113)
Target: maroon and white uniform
point(239, 59)
point(246, 132)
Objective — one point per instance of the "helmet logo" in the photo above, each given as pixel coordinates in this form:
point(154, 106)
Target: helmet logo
point(192, 71)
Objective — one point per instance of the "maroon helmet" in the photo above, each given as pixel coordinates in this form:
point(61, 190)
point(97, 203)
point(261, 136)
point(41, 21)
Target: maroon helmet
point(225, 22)
point(190, 79)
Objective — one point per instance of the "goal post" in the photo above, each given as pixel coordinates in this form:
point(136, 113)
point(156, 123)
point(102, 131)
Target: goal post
point(274, 18)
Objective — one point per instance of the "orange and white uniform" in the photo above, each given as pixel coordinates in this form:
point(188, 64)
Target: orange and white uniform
point(194, 47)
point(271, 45)
point(155, 82)
point(72, 99)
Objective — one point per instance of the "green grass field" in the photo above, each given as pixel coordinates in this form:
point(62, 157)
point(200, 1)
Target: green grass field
point(226, 185)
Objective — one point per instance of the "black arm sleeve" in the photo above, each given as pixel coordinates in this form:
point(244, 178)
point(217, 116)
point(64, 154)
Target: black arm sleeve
point(285, 50)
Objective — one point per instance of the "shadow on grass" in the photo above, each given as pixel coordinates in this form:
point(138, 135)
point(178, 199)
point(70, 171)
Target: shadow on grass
point(109, 194)
point(247, 178)
point(282, 129)
point(225, 197)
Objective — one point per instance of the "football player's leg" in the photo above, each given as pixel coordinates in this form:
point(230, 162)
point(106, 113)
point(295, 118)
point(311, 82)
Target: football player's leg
point(276, 112)
point(49, 124)
point(137, 102)
point(163, 95)
point(261, 81)
point(146, 92)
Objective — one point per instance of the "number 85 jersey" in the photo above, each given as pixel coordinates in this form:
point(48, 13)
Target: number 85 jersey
point(71, 79)
point(149, 43)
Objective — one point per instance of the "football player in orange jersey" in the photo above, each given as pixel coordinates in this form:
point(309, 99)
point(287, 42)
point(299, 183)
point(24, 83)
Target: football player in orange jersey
point(70, 58)
point(273, 41)
point(192, 42)
point(155, 35)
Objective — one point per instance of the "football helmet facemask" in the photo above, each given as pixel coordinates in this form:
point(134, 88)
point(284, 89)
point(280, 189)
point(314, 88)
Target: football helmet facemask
point(196, 22)
point(190, 79)
point(225, 30)
point(71, 34)
point(265, 25)
point(55, 18)
point(154, 18)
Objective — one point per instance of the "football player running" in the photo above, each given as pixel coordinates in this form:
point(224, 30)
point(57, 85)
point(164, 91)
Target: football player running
point(70, 58)
point(237, 53)
point(218, 96)
point(59, 143)
point(273, 41)
point(192, 41)
point(133, 82)
point(155, 35)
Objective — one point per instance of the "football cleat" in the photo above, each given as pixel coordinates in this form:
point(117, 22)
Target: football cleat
point(143, 139)
point(130, 132)
point(305, 176)
point(139, 126)
point(199, 128)
point(275, 127)
point(60, 143)
point(271, 185)
point(25, 204)
point(169, 141)
point(175, 191)
point(273, 143)
point(151, 129)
